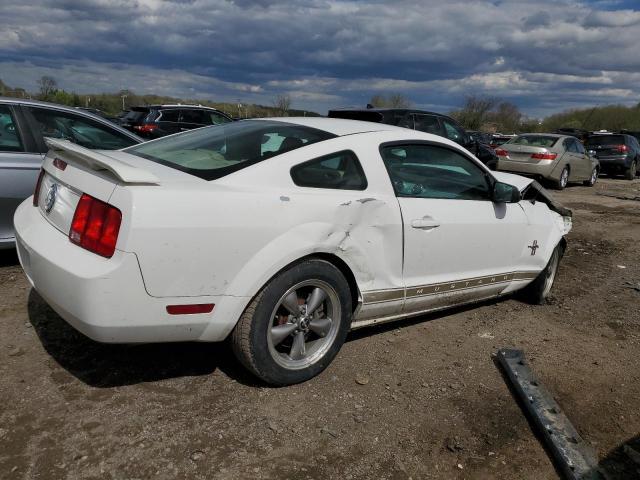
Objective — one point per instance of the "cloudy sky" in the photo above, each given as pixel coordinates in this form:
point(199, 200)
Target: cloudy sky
point(544, 55)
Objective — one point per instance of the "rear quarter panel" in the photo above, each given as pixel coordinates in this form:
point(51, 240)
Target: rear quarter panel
point(230, 236)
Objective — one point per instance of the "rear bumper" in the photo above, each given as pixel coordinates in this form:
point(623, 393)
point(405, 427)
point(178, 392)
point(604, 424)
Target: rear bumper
point(617, 163)
point(105, 299)
point(7, 243)
point(527, 169)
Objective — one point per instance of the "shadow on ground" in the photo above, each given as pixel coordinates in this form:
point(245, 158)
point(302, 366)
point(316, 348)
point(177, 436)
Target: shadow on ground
point(108, 365)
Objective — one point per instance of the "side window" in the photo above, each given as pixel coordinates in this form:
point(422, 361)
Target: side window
point(570, 145)
point(170, 116)
point(83, 131)
point(9, 137)
point(453, 132)
point(429, 171)
point(340, 171)
point(193, 116)
point(216, 118)
point(427, 123)
point(579, 147)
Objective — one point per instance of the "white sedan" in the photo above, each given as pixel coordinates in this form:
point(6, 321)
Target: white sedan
point(281, 235)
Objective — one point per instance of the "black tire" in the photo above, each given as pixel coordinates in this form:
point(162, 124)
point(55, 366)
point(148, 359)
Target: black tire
point(253, 342)
point(630, 173)
point(563, 181)
point(537, 291)
point(592, 179)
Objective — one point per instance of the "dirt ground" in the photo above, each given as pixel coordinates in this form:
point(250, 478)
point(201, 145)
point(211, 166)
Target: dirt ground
point(429, 401)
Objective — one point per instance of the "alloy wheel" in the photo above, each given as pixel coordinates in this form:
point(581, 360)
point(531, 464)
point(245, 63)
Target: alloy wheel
point(304, 324)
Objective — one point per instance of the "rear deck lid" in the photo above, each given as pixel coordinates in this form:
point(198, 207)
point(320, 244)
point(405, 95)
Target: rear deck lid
point(70, 170)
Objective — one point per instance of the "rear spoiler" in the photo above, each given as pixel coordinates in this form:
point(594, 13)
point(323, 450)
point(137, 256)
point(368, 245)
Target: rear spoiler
point(100, 162)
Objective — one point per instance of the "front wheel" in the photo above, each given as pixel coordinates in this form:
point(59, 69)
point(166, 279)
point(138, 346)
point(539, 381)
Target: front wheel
point(592, 179)
point(296, 325)
point(630, 173)
point(538, 290)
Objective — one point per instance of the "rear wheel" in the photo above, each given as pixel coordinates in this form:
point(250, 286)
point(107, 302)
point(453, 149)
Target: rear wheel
point(562, 182)
point(593, 179)
point(630, 173)
point(296, 325)
point(538, 290)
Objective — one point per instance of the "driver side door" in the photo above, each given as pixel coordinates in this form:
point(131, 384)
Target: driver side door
point(459, 245)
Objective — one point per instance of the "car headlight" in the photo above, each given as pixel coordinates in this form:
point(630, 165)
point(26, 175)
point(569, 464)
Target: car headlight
point(568, 223)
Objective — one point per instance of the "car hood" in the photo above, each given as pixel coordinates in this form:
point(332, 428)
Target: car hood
point(517, 181)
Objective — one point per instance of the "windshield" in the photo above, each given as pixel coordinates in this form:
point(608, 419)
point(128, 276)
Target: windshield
point(605, 140)
point(533, 141)
point(213, 152)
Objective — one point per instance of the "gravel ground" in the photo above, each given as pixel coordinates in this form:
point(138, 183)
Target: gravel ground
point(415, 399)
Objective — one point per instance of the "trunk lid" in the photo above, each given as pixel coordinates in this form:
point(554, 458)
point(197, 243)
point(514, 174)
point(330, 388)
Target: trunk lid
point(522, 153)
point(70, 170)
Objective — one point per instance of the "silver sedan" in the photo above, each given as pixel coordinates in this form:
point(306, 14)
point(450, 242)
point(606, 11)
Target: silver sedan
point(558, 159)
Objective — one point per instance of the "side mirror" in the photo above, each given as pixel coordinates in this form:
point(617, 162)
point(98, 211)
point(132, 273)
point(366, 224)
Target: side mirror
point(505, 193)
point(592, 153)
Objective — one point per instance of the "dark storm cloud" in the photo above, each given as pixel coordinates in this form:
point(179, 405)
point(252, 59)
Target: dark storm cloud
point(544, 56)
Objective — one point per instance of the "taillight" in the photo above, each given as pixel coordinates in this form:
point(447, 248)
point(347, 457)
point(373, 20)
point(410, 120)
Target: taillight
point(501, 152)
point(622, 148)
point(36, 193)
point(544, 156)
point(145, 128)
point(95, 226)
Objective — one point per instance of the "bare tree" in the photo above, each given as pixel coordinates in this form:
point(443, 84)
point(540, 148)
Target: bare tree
point(475, 111)
point(282, 103)
point(508, 116)
point(394, 100)
point(48, 86)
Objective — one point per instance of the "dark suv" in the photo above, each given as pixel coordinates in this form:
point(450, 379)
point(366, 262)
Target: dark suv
point(156, 121)
point(424, 121)
point(618, 153)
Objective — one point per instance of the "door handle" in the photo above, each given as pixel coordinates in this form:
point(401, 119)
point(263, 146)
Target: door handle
point(425, 223)
point(182, 129)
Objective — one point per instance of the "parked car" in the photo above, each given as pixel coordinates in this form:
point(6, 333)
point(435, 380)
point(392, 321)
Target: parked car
point(156, 121)
point(498, 139)
point(100, 113)
point(207, 234)
point(579, 133)
point(424, 121)
point(23, 126)
point(482, 137)
point(619, 154)
point(558, 159)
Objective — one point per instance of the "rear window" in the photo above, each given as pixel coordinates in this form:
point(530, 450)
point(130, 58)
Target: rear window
point(214, 152)
point(357, 115)
point(533, 141)
point(606, 140)
point(135, 115)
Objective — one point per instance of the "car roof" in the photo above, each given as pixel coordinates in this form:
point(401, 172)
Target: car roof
point(40, 103)
point(554, 135)
point(337, 126)
point(65, 108)
point(389, 109)
point(177, 106)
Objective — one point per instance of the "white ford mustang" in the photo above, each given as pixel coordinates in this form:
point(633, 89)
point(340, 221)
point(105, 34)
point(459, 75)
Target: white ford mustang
point(280, 234)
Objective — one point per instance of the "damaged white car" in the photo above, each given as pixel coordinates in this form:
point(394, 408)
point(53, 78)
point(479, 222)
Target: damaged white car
point(280, 235)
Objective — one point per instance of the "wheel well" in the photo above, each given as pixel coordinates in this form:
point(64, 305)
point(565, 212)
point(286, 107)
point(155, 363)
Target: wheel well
point(345, 270)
